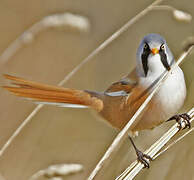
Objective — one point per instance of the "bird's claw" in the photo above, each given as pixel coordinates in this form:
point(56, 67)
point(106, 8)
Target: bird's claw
point(143, 158)
point(183, 120)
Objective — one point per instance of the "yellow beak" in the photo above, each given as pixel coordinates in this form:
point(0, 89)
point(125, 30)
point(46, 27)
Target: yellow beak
point(155, 51)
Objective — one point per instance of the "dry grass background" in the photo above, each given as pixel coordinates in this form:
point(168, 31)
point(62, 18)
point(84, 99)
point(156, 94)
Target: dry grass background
point(57, 135)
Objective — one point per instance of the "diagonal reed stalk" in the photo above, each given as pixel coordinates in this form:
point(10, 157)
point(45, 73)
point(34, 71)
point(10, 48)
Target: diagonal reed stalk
point(87, 59)
point(176, 141)
point(136, 166)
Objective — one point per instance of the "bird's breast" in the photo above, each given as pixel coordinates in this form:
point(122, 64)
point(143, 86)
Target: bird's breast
point(167, 101)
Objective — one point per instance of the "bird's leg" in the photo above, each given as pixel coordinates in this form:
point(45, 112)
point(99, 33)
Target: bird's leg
point(180, 119)
point(141, 157)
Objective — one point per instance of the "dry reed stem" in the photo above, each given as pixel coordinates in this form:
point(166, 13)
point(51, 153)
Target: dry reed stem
point(66, 20)
point(57, 170)
point(174, 142)
point(179, 15)
point(122, 134)
point(136, 166)
point(87, 59)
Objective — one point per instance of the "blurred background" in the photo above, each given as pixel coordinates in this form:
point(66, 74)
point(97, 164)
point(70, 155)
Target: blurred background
point(56, 135)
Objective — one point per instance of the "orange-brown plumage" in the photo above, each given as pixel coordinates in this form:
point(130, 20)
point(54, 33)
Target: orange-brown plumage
point(116, 110)
point(48, 93)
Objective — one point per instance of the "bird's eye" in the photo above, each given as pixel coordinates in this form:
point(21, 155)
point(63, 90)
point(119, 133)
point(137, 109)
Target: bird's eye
point(146, 46)
point(162, 47)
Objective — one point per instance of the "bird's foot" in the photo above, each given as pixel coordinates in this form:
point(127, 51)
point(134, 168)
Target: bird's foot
point(183, 120)
point(143, 158)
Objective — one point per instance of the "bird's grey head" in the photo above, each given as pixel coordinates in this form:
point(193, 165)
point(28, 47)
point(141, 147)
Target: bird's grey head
point(153, 56)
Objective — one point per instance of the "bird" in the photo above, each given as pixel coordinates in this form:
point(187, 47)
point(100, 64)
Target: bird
point(118, 103)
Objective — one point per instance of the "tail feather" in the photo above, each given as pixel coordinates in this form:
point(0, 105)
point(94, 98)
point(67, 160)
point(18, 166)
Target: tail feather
point(52, 94)
point(31, 84)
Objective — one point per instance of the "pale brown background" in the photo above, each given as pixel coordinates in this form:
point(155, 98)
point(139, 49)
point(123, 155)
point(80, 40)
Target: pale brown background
point(57, 135)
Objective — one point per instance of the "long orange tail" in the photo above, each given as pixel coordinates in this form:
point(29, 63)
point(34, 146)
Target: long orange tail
point(52, 94)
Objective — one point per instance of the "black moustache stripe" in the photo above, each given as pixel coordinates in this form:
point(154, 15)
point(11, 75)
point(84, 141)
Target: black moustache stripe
point(164, 60)
point(144, 58)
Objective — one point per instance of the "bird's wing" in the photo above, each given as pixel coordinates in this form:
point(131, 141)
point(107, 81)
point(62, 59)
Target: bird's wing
point(124, 85)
